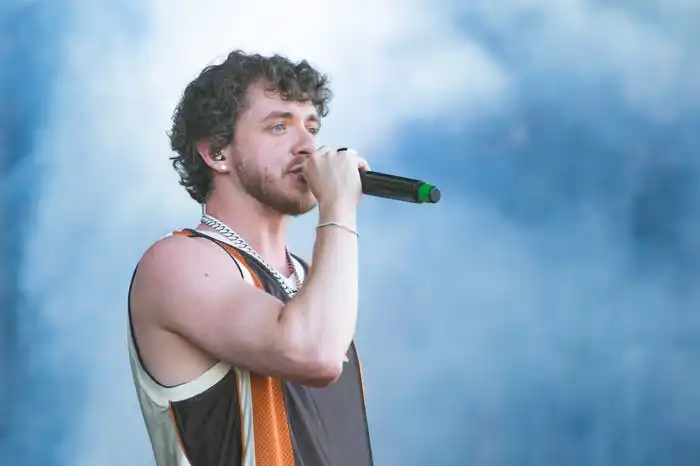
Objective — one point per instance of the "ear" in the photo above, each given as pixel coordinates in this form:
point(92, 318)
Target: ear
point(217, 161)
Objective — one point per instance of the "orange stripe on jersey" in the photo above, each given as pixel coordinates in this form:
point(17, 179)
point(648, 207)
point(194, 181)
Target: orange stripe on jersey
point(231, 250)
point(183, 233)
point(273, 442)
point(362, 376)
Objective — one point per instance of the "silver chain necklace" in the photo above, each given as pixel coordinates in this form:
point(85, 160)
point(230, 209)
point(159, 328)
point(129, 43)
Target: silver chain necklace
point(238, 242)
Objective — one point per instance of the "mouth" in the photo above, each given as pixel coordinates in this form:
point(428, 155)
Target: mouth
point(297, 173)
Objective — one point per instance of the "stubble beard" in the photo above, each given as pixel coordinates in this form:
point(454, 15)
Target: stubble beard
point(264, 189)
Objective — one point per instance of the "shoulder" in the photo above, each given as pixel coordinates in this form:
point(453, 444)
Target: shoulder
point(177, 254)
point(178, 270)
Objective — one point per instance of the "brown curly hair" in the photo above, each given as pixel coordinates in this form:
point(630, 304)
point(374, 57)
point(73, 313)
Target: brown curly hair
point(212, 102)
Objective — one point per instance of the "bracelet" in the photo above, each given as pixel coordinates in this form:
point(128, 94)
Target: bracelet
point(339, 225)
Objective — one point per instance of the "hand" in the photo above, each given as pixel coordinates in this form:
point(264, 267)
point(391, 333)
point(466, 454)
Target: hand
point(333, 177)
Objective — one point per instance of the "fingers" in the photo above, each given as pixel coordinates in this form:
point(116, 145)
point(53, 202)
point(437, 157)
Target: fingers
point(323, 150)
point(361, 163)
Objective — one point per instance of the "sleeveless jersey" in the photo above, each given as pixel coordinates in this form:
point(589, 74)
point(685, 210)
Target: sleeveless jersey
point(233, 417)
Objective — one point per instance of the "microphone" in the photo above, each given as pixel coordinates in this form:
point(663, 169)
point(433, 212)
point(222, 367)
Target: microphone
point(397, 187)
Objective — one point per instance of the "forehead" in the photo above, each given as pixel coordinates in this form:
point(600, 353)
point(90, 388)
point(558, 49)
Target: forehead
point(261, 102)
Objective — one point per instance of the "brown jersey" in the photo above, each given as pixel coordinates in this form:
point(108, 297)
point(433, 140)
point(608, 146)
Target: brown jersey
point(233, 417)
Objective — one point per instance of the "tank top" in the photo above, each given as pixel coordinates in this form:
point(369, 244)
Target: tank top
point(233, 417)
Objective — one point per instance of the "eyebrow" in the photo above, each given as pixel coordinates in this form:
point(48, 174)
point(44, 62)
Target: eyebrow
point(289, 116)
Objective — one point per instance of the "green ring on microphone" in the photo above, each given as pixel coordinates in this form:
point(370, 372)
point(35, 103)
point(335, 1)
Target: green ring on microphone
point(428, 193)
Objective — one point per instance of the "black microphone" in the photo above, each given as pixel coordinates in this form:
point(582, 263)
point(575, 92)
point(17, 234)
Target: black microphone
point(397, 187)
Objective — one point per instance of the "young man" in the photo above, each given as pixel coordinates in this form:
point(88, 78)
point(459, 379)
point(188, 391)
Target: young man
point(234, 362)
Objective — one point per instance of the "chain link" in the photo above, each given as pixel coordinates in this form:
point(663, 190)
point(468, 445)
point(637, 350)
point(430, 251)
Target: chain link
point(240, 243)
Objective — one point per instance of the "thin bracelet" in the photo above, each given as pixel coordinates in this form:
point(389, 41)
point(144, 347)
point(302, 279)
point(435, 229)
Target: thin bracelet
point(339, 225)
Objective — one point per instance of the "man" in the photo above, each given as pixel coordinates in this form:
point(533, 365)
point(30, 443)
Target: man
point(232, 365)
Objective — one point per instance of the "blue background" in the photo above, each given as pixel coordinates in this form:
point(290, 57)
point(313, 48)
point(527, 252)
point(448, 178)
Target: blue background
point(544, 313)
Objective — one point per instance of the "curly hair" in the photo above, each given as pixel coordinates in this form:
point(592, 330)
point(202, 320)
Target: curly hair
point(211, 104)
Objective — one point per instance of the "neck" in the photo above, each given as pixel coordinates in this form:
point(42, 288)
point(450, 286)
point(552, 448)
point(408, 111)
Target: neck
point(263, 229)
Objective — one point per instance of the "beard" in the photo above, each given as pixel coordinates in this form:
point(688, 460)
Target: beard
point(266, 190)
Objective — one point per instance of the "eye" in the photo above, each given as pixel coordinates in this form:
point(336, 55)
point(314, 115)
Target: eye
point(278, 127)
point(313, 130)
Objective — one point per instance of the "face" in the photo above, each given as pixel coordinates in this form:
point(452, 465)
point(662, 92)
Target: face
point(272, 139)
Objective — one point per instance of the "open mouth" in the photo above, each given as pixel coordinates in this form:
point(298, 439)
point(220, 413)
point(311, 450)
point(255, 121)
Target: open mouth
point(297, 173)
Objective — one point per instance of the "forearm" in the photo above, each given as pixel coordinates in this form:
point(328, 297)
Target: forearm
point(320, 321)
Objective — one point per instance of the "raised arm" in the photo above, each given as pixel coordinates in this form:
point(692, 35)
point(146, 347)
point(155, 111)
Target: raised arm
point(190, 288)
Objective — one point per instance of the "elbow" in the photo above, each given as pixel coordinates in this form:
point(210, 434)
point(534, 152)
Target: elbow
point(308, 362)
point(315, 369)
point(322, 373)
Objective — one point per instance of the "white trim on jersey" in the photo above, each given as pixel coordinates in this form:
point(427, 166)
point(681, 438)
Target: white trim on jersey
point(245, 396)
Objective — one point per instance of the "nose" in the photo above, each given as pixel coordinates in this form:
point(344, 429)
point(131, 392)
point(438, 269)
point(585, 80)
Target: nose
point(305, 145)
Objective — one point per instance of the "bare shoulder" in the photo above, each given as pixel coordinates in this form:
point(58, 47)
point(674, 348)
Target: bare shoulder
point(178, 250)
point(178, 270)
point(190, 303)
point(176, 299)
point(191, 307)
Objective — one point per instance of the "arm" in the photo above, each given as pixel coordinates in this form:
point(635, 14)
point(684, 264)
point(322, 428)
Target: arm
point(322, 317)
point(190, 288)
